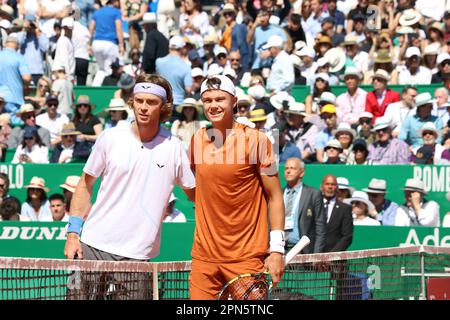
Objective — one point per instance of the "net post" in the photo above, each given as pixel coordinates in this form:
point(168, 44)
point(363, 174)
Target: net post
point(422, 272)
point(155, 282)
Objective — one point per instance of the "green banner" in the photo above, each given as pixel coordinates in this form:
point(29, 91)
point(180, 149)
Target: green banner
point(47, 239)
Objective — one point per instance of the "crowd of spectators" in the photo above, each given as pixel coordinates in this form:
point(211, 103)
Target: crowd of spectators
point(267, 47)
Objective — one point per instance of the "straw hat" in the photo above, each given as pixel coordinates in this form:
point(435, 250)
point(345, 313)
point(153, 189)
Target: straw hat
point(415, 184)
point(278, 99)
point(333, 143)
point(117, 105)
point(69, 130)
point(297, 108)
point(189, 102)
point(381, 123)
point(84, 99)
point(376, 186)
point(344, 127)
point(382, 56)
point(352, 71)
point(336, 57)
point(360, 196)
point(423, 99)
point(409, 17)
point(71, 183)
point(26, 108)
point(37, 183)
point(343, 183)
point(381, 74)
point(257, 115)
point(429, 126)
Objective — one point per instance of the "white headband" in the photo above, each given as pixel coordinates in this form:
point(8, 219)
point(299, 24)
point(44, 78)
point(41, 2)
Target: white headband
point(148, 87)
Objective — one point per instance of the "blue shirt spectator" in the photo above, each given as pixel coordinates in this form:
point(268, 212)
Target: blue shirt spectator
point(262, 34)
point(289, 150)
point(176, 71)
point(105, 27)
point(33, 49)
point(323, 137)
point(410, 130)
point(14, 71)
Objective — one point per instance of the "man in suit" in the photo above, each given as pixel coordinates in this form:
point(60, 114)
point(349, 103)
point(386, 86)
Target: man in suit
point(339, 234)
point(305, 214)
point(339, 217)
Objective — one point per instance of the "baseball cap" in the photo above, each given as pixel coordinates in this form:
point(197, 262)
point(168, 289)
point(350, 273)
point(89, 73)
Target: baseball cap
point(274, 41)
point(176, 42)
point(411, 52)
point(51, 98)
point(328, 108)
point(196, 72)
point(218, 82)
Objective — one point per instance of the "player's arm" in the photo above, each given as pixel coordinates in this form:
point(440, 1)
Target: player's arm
point(79, 207)
point(275, 262)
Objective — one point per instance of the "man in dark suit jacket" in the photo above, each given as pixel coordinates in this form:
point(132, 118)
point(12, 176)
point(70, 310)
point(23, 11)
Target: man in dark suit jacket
point(156, 44)
point(305, 214)
point(339, 217)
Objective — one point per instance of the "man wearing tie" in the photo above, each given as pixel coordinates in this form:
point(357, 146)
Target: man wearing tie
point(305, 214)
point(339, 217)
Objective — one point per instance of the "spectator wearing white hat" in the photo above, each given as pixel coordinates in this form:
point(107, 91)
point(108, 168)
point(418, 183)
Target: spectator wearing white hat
point(417, 211)
point(333, 149)
point(156, 44)
point(107, 40)
point(308, 69)
point(364, 130)
point(443, 65)
point(323, 66)
point(117, 111)
point(345, 135)
point(175, 70)
point(397, 112)
point(62, 87)
point(429, 152)
point(429, 59)
point(355, 57)
point(65, 52)
point(36, 207)
point(361, 206)
point(351, 104)
point(15, 74)
point(69, 187)
point(281, 77)
point(410, 130)
point(387, 150)
point(344, 189)
point(302, 133)
point(385, 210)
point(414, 73)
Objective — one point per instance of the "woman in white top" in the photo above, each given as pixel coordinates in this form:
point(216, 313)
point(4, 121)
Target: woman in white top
point(189, 123)
point(37, 207)
point(194, 23)
point(31, 150)
point(361, 205)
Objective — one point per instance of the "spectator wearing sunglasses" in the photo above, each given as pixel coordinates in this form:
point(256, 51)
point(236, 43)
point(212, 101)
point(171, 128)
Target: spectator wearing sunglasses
point(31, 150)
point(28, 115)
point(443, 64)
point(85, 121)
point(387, 150)
point(44, 85)
point(52, 120)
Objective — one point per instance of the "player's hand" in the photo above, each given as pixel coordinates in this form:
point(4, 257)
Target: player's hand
point(274, 264)
point(73, 247)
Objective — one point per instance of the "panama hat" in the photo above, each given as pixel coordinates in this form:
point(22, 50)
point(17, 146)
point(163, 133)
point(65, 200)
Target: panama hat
point(360, 196)
point(376, 186)
point(26, 108)
point(381, 123)
point(69, 130)
point(431, 49)
point(381, 74)
point(352, 71)
point(415, 184)
point(327, 97)
point(365, 114)
point(297, 108)
point(71, 183)
point(189, 102)
point(333, 143)
point(229, 7)
point(243, 100)
point(444, 56)
point(350, 40)
point(280, 99)
point(344, 127)
point(336, 57)
point(423, 99)
point(343, 183)
point(409, 17)
point(84, 99)
point(257, 115)
point(117, 104)
point(429, 126)
point(37, 183)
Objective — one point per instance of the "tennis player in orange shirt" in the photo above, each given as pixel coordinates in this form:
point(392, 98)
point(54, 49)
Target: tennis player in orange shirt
point(238, 202)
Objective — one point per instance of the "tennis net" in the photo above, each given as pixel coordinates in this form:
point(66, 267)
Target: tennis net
point(392, 273)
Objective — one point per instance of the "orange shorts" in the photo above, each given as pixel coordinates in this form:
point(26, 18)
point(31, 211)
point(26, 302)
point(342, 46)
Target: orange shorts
point(207, 278)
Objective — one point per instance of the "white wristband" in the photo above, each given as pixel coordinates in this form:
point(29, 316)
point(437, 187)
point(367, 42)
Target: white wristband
point(277, 241)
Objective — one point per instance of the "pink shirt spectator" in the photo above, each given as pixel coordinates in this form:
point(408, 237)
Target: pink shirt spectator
point(349, 108)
